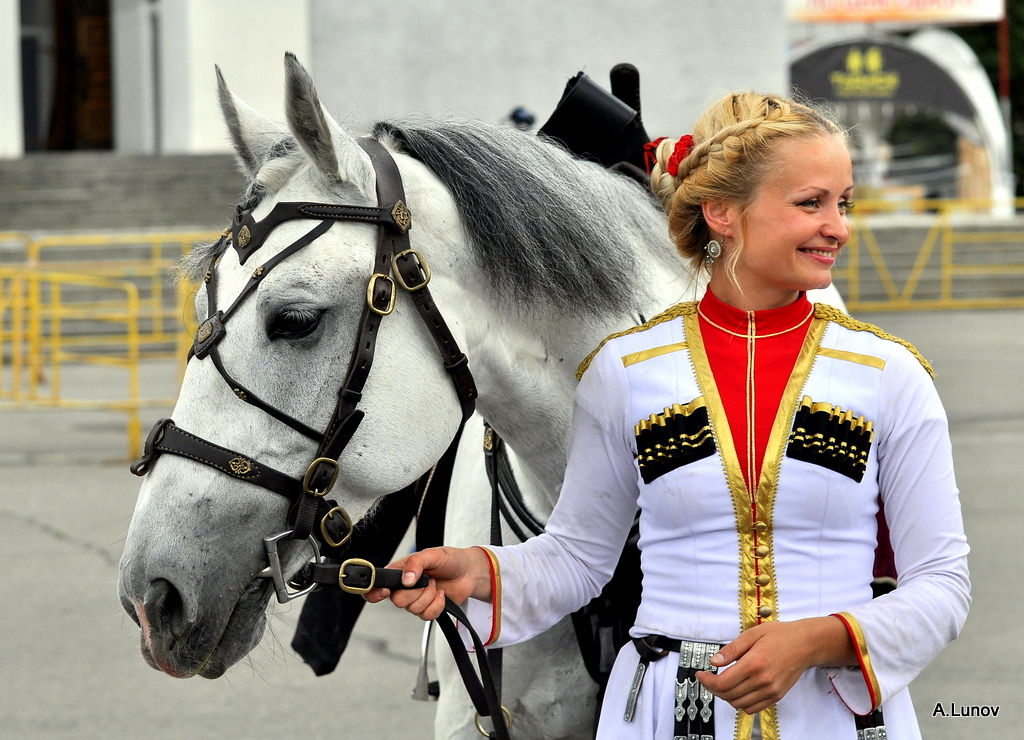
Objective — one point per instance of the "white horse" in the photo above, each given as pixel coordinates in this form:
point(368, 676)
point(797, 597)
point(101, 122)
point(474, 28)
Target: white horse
point(536, 256)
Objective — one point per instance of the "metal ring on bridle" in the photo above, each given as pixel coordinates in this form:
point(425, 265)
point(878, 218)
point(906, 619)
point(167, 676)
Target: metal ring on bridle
point(421, 263)
point(326, 535)
point(480, 727)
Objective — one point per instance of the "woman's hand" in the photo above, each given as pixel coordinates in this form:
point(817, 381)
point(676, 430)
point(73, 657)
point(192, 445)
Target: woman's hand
point(459, 573)
point(770, 657)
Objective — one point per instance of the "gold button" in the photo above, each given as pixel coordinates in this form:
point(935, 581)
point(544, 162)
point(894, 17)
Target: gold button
point(762, 580)
point(760, 527)
point(761, 550)
point(765, 611)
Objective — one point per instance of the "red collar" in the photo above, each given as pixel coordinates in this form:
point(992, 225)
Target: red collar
point(766, 322)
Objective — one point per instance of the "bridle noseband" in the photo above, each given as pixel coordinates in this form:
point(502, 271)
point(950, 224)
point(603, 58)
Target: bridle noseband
point(313, 517)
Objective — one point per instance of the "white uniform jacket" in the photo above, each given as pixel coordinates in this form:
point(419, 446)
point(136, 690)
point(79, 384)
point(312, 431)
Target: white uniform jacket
point(860, 418)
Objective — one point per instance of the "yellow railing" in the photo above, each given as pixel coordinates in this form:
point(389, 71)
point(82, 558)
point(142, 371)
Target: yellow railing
point(958, 243)
point(111, 300)
point(146, 259)
point(70, 303)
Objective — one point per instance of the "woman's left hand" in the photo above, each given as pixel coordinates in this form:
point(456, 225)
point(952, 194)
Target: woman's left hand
point(769, 658)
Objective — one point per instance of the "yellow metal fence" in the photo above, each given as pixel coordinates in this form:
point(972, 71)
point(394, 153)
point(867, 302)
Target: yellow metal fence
point(91, 301)
point(111, 301)
point(965, 260)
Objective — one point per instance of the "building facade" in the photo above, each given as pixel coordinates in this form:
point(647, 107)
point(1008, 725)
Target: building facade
point(137, 76)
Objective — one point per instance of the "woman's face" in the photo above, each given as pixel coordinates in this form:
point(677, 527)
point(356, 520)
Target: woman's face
point(794, 227)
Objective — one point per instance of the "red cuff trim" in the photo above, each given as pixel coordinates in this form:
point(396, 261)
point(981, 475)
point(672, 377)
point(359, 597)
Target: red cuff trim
point(863, 659)
point(495, 597)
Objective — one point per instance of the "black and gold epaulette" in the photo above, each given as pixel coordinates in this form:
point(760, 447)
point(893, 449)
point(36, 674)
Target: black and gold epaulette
point(831, 313)
point(680, 309)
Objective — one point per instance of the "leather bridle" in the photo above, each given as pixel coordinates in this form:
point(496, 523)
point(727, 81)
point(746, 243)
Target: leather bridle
point(313, 517)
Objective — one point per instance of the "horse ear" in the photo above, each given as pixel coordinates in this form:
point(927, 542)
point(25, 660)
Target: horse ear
point(334, 152)
point(252, 135)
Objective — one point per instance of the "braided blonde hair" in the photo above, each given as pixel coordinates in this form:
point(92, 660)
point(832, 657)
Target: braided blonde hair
point(733, 153)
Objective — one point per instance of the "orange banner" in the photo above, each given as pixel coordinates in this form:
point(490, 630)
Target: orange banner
point(901, 11)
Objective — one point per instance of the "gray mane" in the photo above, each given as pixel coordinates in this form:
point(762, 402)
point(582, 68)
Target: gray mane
point(547, 228)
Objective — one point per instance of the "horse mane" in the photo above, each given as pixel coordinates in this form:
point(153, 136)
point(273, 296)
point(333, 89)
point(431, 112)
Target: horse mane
point(548, 229)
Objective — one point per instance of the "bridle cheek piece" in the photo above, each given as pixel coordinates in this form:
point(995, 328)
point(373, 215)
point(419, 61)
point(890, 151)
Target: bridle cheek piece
point(313, 517)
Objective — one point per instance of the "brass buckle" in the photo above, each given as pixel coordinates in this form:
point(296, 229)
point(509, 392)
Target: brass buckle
point(323, 527)
point(421, 262)
point(480, 727)
point(355, 589)
point(309, 474)
point(369, 294)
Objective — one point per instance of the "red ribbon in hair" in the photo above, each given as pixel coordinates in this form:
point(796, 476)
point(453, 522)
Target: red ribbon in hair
point(651, 153)
point(683, 147)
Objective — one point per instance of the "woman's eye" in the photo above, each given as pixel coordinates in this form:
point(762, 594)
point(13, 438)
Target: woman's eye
point(846, 206)
point(811, 203)
point(293, 323)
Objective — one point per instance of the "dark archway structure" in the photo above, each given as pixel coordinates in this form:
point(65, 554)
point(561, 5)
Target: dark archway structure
point(876, 70)
point(874, 78)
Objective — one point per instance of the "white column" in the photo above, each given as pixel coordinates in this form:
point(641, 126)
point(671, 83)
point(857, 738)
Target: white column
point(12, 139)
point(247, 39)
point(134, 80)
point(174, 70)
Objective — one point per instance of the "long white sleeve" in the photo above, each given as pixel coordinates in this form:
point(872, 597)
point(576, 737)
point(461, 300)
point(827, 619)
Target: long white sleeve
point(552, 575)
point(898, 634)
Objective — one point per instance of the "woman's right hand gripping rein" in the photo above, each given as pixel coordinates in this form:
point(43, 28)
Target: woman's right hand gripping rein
point(458, 573)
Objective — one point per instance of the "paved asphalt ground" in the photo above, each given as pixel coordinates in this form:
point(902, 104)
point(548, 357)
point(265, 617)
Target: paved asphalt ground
point(69, 658)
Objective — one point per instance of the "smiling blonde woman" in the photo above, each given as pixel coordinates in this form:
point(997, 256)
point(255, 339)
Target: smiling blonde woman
point(757, 433)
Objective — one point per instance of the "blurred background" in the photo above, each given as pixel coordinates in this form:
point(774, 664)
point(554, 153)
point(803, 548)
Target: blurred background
point(114, 161)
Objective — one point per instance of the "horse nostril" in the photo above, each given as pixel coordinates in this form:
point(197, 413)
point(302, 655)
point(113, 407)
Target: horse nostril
point(164, 606)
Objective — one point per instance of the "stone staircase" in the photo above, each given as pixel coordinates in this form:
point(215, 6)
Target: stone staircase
point(94, 200)
point(73, 191)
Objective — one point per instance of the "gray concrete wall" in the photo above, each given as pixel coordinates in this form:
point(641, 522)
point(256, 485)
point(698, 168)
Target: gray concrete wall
point(443, 57)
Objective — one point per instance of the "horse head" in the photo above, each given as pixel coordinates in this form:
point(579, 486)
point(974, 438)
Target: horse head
point(190, 571)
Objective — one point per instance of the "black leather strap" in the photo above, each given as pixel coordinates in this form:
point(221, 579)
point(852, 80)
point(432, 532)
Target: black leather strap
point(413, 277)
point(359, 577)
point(168, 438)
point(252, 399)
point(481, 688)
point(655, 647)
point(505, 489)
point(248, 234)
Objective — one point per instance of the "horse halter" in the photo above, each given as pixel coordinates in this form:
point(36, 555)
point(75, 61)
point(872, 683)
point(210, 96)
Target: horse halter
point(313, 517)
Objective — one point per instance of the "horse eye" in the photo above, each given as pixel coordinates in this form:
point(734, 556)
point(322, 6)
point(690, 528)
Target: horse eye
point(293, 323)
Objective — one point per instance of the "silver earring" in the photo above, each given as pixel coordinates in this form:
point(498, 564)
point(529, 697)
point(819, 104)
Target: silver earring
point(712, 251)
